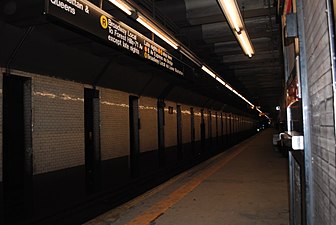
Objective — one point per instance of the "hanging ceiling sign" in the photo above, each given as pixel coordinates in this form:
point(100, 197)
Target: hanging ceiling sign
point(90, 18)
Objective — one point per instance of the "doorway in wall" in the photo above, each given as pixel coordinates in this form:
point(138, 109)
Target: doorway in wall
point(17, 148)
point(92, 139)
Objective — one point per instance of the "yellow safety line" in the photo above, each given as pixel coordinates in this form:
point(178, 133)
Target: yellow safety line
point(159, 208)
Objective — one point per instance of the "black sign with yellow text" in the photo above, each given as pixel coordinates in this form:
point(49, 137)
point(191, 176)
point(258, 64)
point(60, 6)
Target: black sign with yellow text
point(90, 18)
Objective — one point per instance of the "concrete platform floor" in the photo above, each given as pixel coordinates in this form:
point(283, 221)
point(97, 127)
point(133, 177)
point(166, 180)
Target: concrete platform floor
point(245, 185)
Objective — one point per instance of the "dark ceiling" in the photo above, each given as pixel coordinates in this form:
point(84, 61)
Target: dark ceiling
point(201, 26)
point(198, 24)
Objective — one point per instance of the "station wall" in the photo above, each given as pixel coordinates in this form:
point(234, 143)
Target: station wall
point(148, 124)
point(197, 118)
point(186, 124)
point(220, 123)
point(224, 123)
point(235, 123)
point(114, 124)
point(229, 122)
point(321, 102)
point(58, 124)
point(214, 124)
point(206, 122)
point(170, 125)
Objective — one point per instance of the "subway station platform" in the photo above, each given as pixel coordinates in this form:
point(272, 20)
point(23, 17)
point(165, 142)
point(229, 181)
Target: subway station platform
point(245, 185)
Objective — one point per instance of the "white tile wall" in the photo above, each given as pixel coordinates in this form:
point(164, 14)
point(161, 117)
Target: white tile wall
point(114, 124)
point(148, 121)
point(58, 119)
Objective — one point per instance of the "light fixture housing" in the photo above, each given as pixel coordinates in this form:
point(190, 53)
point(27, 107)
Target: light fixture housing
point(144, 22)
point(190, 56)
point(220, 81)
point(121, 5)
point(232, 13)
point(245, 43)
point(208, 71)
point(157, 31)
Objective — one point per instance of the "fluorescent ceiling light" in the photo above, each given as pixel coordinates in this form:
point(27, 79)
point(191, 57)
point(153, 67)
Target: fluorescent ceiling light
point(248, 102)
point(208, 71)
point(187, 54)
point(220, 81)
point(153, 28)
point(228, 87)
point(245, 43)
point(232, 13)
point(204, 68)
point(121, 5)
point(145, 22)
point(234, 91)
